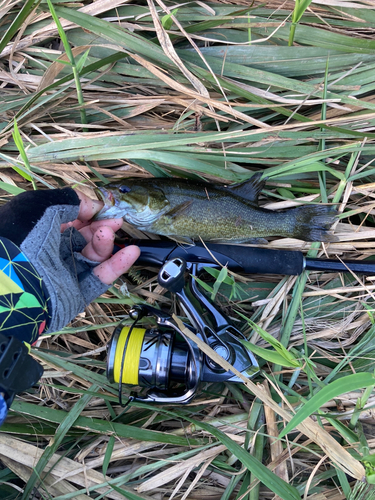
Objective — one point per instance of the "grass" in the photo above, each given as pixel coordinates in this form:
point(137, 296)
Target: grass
point(217, 91)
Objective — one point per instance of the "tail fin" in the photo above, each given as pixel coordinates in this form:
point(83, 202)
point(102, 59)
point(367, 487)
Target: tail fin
point(313, 222)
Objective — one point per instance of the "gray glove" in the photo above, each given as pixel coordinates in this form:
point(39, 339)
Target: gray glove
point(32, 221)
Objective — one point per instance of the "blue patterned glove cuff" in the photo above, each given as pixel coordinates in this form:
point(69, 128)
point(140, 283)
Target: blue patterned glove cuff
point(3, 409)
point(24, 300)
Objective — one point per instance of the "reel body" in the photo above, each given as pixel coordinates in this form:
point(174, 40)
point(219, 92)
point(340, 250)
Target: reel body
point(163, 359)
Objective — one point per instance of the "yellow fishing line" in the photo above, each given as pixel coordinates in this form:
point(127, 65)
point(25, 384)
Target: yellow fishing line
point(132, 355)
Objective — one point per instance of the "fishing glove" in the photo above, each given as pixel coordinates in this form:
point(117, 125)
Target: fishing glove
point(31, 221)
point(18, 371)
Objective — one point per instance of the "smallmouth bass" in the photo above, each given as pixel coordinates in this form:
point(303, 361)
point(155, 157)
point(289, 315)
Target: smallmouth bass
point(186, 210)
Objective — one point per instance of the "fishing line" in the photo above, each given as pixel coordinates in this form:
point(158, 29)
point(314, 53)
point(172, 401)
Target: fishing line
point(135, 350)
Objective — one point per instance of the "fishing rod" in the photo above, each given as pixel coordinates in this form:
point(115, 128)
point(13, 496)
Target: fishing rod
point(162, 360)
point(243, 259)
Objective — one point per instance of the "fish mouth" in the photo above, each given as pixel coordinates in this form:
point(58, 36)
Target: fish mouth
point(105, 196)
point(99, 194)
point(109, 202)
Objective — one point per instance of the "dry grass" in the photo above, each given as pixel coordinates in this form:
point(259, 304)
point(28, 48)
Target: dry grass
point(184, 92)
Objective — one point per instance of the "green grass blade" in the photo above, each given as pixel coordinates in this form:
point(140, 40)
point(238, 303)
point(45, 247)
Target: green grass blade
point(278, 346)
point(268, 355)
point(102, 426)
point(18, 22)
point(72, 62)
point(128, 494)
point(67, 422)
point(332, 390)
point(9, 188)
point(108, 453)
point(19, 143)
point(113, 33)
point(268, 478)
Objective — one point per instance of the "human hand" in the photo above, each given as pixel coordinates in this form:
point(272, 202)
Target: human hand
point(75, 266)
point(74, 261)
point(100, 236)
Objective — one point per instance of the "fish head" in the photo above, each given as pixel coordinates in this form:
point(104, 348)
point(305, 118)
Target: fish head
point(136, 203)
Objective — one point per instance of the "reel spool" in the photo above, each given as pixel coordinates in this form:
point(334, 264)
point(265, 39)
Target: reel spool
point(148, 358)
point(163, 359)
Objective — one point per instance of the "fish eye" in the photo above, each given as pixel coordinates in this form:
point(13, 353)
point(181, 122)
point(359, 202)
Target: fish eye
point(124, 189)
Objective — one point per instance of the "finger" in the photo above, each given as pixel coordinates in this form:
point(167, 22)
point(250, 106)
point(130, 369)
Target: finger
point(89, 230)
point(78, 224)
point(117, 265)
point(100, 246)
point(88, 207)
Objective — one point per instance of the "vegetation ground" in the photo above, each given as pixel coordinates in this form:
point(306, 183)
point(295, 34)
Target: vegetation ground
point(92, 91)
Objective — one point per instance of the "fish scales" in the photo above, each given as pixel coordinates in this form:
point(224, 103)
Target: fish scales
point(188, 210)
point(214, 215)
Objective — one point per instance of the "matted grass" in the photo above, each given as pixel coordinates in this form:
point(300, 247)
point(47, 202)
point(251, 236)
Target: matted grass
point(213, 90)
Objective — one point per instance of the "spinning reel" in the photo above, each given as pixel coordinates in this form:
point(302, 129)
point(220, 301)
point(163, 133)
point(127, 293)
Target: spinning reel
point(163, 359)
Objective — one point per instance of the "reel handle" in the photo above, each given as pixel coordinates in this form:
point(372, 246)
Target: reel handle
point(172, 275)
point(210, 323)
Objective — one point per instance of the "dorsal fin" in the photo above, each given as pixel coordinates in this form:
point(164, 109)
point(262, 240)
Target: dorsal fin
point(250, 189)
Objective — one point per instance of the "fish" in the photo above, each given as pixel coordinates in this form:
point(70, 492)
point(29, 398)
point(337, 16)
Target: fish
point(187, 210)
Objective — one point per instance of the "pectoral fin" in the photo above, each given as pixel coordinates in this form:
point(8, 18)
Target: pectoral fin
point(237, 241)
point(178, 210)
point(182, 240)
point(249, 190)
point(256, 241)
